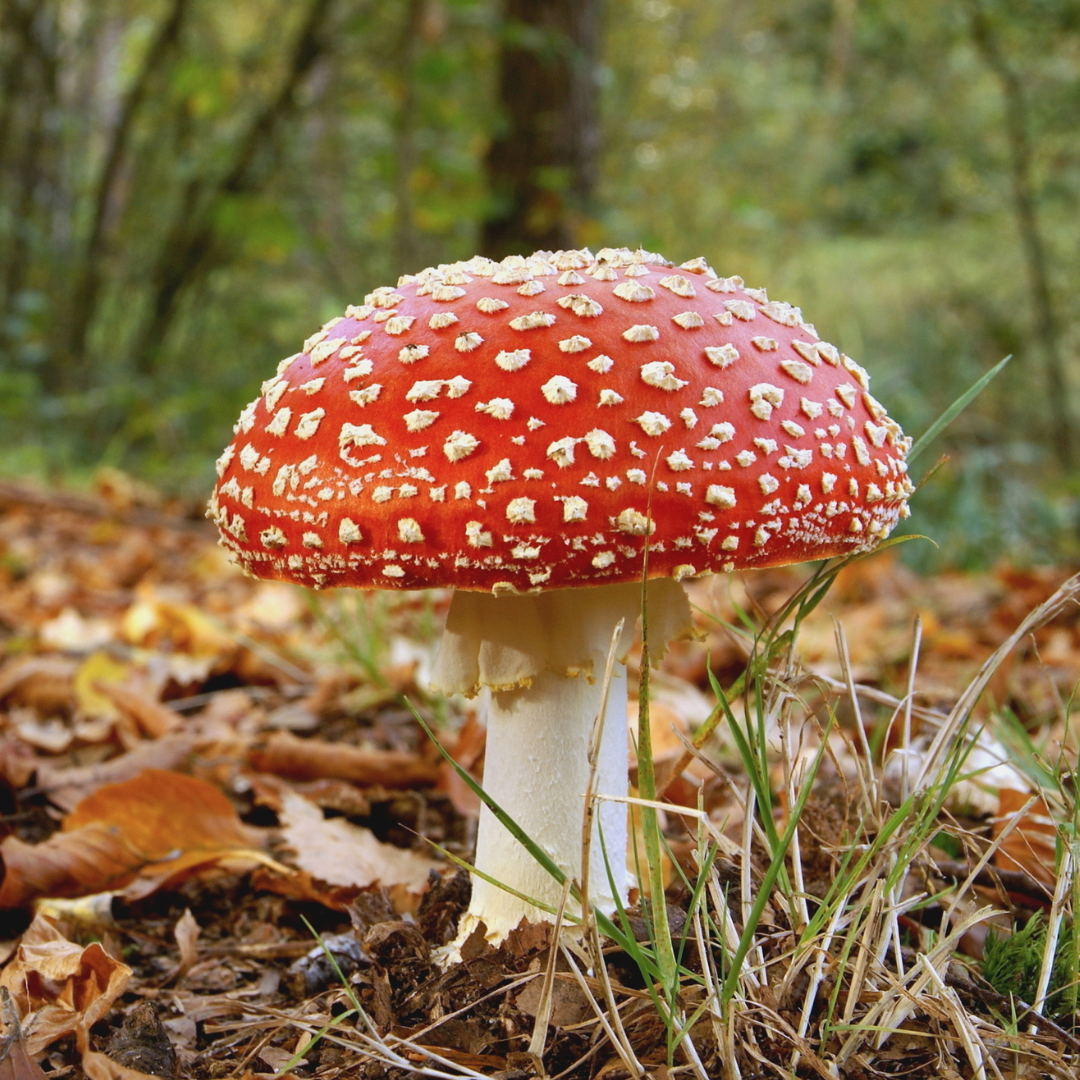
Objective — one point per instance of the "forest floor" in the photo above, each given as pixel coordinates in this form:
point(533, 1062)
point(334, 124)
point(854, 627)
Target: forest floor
point(200, 772)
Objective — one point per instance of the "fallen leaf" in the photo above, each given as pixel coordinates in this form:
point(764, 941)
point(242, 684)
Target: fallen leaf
point(283, 754)
point(151, 717)
point(15, 1062)
point(1031, 846)
point(67, 787)
point(95, 672)
point(134, 835)
point(41, 683)
point(58, 986)
point(338, 852)
point(187, 932)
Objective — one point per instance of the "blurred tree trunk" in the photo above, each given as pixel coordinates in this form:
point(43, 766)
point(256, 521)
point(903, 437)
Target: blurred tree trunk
point(541, 166)
point(192, 246)
point(1046, 330)
point(72, 366)
point(405, 157)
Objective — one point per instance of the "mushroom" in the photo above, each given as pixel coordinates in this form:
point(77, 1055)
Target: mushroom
point(521, 431)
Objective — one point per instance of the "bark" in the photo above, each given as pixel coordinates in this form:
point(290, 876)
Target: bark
point(191, 244)
point(541, 166)
point(1046, 329)
point(405, 156)
point(30, 94)
point(87, 286)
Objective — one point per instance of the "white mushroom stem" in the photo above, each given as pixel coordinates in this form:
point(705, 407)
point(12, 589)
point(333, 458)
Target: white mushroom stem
point(543, 657)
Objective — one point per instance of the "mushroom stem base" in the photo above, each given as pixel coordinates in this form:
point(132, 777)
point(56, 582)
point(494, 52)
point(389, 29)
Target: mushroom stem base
point(537, 750)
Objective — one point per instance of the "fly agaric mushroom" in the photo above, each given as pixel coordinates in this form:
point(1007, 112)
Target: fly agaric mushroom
point(520, 431)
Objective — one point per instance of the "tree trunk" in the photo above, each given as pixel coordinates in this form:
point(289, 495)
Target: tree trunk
point(1046, 330)
point(541, 166)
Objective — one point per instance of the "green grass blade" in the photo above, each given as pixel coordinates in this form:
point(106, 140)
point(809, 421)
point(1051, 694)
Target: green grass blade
point(957, 407)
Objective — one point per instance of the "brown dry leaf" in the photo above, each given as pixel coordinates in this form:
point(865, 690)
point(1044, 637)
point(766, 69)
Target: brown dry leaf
point(468, 752)
point(187, 932)
point(340, 853)
point(58, 986)
point(41, 683)
point(67, 787)
point(283, 754)
point(98, 670)
point(1031, 846)
point(139, 834)
point(154, 622)
point(15, 1062)
point(151, 717)
point(94, 859)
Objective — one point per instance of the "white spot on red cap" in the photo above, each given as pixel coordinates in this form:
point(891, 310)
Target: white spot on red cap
point(721, 355)
point(559, 390)
point(500, 472)
point(512, 360)
point(764, 397)
point(349, 531)
point(309, 423)
point(468, 341)
point(600, 443)
point(459, 444)
point(398, 324)
point(424, 390)
point(533, 321)
point(661, 374)
point(765, 344)
point(679, 461)
point(362, 397)
point(580, 304)
point(419, 419)
point(562, 451)
point(718, 495)
point(653, 423)
point(741, 309)
point(409, 531)
point(445, 293)
point(476, 536)
point(725, 284)
point(279, 424)
point(633, 291)
point(641, 333)
point(574, 344)
point(575, 508)
point(521, 511)
point(272, 537)
point(500, 408)
point(679, 285)
point(634, 522)
point(601, 364)
point(489, 305)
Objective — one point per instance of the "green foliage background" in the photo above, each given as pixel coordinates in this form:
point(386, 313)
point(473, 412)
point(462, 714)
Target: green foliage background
point(907, 172)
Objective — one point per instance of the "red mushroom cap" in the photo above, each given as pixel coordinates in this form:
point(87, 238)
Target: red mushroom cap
point(519, 426)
